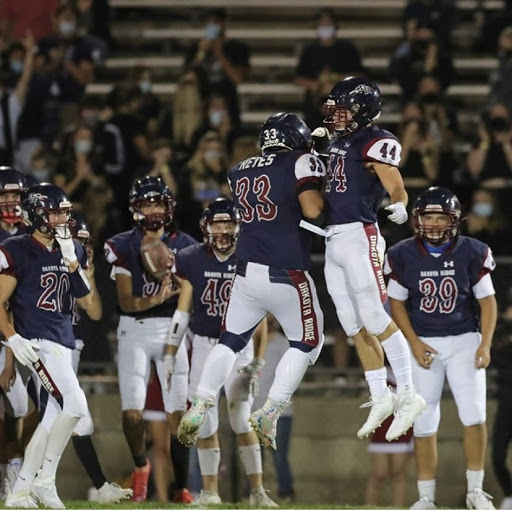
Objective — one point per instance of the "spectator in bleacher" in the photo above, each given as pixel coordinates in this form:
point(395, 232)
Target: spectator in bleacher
point(150, 105)
point(439, 14)
point(94, 24)
point(208, 169)
point(11, 103)
point(485, 222)
point(161, 156)
point(244, 147)
point(125, 146)
point(419, 55)
point(322, 64)
point(218, 119)
point(501, 79)
point(79, 168)
point(71, 58)
point(220, 63)
point(19, 16)
point(489, 25)
point(490, 159)
point(42, 166)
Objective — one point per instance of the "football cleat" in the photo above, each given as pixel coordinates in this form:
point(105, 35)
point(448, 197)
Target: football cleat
point(111, 493)
point(265, 428)
point(21, 500)
point(381, 409)
point(260, 499)
point(45, 492)
point(478, 499)
point(191, 422)
point(140, 483)
point(206, 498)
point(424, 503)
point(408, 408)
point(183, 496)
point(12, 474)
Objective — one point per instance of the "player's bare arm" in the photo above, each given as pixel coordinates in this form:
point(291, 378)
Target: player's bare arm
point(392, 182)
point(92, 303)
point(130, 303)
point(488, 317)
point(423, 353)
point(7, 286)
point(312, 205)
point(180, 318)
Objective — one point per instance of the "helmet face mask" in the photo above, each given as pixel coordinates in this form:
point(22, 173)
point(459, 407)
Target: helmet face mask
point(148, 193)
point(12, 185)
point(437, 216)
point(220, 224)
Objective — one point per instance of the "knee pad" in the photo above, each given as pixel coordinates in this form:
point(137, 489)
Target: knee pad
point(85, 426)
point(472, 415)
point(75, 403)
point(210, 424)
point(375, 319)
point(427, 423)
point(239, 413)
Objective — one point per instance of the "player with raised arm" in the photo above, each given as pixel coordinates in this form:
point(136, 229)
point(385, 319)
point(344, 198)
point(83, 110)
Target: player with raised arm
point(273, 192)
point(206, 272)
point(438, 281)
point(146, 308)
point(362, 166)
point(40, 274)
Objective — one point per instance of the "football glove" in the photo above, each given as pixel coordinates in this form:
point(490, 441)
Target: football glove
point(398, 212)
point(23, 349)
point(253, 372)
point(322, 140)
point(67, 247)
point(169, 363)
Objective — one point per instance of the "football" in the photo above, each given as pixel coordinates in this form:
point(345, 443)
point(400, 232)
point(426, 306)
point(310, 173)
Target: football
point(154, 254)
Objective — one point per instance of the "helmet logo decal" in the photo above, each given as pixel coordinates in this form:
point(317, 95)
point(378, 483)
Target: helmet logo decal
point(361, 89)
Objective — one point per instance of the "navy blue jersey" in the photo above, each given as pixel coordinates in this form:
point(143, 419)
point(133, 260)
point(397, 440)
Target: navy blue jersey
point(265, 191)
point(211, 280)
point(123, 251)
point(22, 229)
point(353, 192)
point(42, 303)
point(441, 301)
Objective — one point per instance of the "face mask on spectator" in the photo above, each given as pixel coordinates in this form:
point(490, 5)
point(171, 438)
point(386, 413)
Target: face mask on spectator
point(213, 154)
point(67, 27)
point(17, 66)
point(483, 209)
point(211, 31)
point(83, 146)
point(216, 117)
point(91, 119)
point(325, 32)
point(41, 175)
point(145, 86)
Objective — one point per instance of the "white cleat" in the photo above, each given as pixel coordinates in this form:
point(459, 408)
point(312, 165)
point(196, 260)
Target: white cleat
point(206, 498)
point(381, 409)
point(191, 422)
point(46, 492)
point(478, 499)
point(408, 408)
point(21, 500)
point(260, 499)
point(11, 476)
point(424, 503)
point(111, 493)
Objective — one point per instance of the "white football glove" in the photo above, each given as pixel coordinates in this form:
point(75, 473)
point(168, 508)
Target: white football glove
point(253, 371)
point(322, 138)
point(169, 363)
point(398, 212)
point(67, 247)
point(23, 349)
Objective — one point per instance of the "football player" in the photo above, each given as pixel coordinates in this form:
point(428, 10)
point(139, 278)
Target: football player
point(273, 192)
point(362, 161)
point(40, 274)
point(146, 308)
point(438, 282)
point(12, 184)
point(206, 272)
point(81, 438)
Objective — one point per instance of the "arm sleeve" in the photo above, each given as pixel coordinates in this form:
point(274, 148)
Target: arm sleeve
point(484, 287)
point(483, 264)
point(383, 150)
point(397, 291)
point(309, 173)
point(6, 263)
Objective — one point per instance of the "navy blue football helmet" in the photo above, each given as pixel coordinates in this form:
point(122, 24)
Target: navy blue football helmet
point(285, 130)
point(12, 182)
point(79, 229)
point(351, 105)
point(151, 190)
point(437, 199)
point(220, 210)
point(41, 200)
